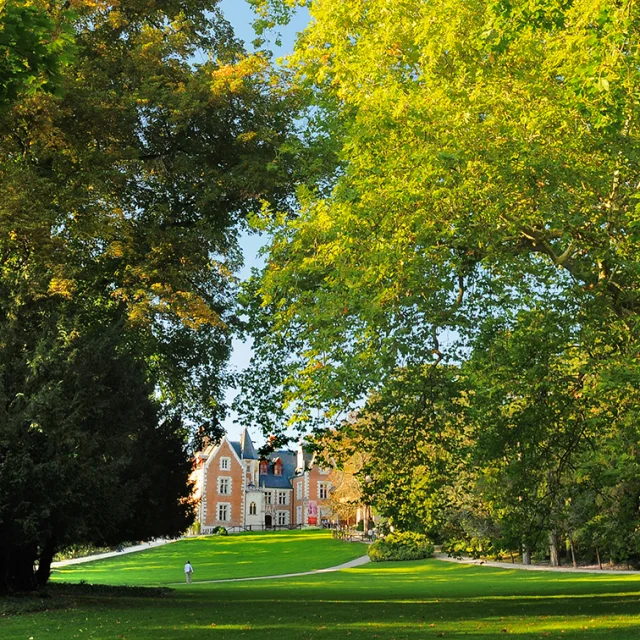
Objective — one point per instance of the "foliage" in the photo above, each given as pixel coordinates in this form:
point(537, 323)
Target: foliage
point(126, 180)
point(77, 417)
point(461, 296)
point(33, 49)
point(401, 546)
point(135, 179)
point(79, 551)
point(335, 451)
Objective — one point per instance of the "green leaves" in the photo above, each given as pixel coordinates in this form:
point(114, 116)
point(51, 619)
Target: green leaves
point(33, 50)
point(477, 237)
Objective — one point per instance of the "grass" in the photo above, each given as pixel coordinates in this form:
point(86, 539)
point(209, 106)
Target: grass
point(218, 558)
point(389, 601)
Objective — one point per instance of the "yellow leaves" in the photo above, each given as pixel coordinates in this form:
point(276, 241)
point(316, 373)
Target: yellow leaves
point(160, 298)
point(116, 250)
point(62, 287)
point(230, 78)
point(247, 137)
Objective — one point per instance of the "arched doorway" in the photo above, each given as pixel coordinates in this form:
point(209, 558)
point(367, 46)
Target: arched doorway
point(267, 522)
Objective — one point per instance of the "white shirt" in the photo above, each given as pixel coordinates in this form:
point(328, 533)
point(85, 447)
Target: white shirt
point(188, 568)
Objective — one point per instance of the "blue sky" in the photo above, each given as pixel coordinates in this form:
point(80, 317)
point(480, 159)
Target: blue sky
point(241, 16)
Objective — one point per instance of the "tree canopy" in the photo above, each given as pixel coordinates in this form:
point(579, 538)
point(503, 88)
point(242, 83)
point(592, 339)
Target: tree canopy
point(466, 278)
point(131, 154)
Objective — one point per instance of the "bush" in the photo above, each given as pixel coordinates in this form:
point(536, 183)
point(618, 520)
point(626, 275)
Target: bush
point(401, 546)
point(221, 531)
point(475, 547)
point(79, 551)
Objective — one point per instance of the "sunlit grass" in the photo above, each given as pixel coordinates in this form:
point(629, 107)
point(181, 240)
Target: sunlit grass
point(403, 601)
point(217, 558)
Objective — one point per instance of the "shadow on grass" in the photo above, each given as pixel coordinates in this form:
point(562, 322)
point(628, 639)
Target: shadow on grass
point(419, 600)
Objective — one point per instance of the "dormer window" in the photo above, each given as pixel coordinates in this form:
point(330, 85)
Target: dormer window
point(264, 467)
point(277, 467)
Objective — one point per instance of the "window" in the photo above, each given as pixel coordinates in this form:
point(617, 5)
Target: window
point(267, 497)
point(323, 490)
point(224, 486)
point(252, 509)
point(224, 511)
point(299, 490)
point(264, 467)
point(282, 497)
point(298, 515)
point(283, 517)
point(225, 464)
point(277, 467)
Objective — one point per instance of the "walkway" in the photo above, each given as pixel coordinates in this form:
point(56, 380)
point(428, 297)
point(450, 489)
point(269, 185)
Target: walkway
point(530, 567)
point(347, 565)
point(111, 554)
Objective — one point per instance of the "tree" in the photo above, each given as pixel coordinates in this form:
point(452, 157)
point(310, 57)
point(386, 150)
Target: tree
point(140, 174)
point(335, 450)
point(487, 171)
point(123, 194)
point(86, 455)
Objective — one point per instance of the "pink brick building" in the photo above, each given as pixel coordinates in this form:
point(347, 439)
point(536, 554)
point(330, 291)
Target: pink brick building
point(238, 490)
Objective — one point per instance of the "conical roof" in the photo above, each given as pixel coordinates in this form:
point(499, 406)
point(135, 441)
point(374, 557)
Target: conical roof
point(246, 446)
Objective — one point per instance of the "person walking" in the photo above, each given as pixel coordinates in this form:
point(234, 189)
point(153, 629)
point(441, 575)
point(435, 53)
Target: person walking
point(188, 570)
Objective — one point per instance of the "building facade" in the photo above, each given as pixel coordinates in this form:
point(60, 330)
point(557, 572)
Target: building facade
point(239, 490)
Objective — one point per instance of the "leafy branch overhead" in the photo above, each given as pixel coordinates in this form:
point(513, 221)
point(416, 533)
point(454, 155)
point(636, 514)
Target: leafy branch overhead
point(135, 140)
point(463, 290)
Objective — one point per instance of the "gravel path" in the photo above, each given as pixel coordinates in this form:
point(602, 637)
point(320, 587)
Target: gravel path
point(531, 567)
point(112, 554)
point(347, 565)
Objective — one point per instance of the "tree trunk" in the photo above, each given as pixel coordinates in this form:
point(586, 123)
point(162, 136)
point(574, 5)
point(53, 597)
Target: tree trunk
point(573, 553)
point(46, 558)
point(526, 554)
point(599, 560)
point(16, 567)
point(553, 550)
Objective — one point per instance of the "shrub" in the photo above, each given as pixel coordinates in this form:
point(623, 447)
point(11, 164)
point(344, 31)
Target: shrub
point(401, 546)
point(221, 531)
point(473, 547)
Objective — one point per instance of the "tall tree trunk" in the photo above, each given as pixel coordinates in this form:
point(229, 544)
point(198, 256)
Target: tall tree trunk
point(599, 560)
point(573, 553)
point(553, 549)
point(526, 554)
point(17, 572)
point(46, 558)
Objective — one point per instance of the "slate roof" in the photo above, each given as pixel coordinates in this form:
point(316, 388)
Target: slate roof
point(270, 480)
point(237, 448)
point(246, 446)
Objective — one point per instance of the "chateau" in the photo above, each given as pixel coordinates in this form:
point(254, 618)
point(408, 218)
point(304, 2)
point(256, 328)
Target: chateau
point(240, 490)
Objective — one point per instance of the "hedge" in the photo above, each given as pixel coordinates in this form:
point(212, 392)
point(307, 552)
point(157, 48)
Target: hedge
point(401, 546)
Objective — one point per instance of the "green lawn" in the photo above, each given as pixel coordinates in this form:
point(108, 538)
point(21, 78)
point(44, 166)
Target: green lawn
point(391, 601)
point(219, 557)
